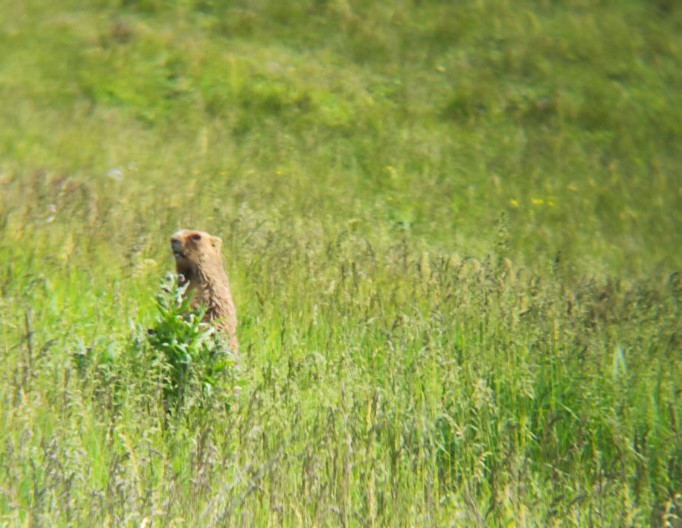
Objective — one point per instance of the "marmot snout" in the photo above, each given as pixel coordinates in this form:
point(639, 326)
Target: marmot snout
point(198, 262)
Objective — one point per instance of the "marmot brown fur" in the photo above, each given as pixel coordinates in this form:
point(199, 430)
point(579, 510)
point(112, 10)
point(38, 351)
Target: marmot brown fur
point(198, 262)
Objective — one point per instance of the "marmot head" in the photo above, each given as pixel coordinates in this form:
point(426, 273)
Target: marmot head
point(194, 249)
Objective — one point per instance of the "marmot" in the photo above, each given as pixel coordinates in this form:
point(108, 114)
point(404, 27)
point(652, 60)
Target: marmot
point(198, 261)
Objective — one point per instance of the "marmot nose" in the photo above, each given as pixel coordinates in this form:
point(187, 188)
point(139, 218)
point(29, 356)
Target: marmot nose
point(176, 244)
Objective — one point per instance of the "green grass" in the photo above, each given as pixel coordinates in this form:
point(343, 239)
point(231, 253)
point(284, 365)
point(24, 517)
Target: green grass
point(453, 235)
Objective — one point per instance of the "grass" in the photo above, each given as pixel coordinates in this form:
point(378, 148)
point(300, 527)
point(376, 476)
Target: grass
point(452, 231)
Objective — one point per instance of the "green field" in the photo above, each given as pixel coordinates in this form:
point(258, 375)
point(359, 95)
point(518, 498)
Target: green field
point(454, 235)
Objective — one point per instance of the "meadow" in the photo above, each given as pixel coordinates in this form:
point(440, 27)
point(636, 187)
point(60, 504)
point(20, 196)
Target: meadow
point(453, 232)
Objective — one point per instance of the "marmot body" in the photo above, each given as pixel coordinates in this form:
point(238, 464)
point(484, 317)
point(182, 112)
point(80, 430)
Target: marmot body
point(198, 262)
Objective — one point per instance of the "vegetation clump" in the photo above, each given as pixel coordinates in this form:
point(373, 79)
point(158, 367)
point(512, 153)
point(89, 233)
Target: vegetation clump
point(196, 359)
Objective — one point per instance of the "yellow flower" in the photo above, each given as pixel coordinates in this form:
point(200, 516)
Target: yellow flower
point(537, 201)
point(514, 203)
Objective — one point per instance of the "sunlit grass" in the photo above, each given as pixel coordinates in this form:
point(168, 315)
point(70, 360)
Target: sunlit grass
point(452, 233)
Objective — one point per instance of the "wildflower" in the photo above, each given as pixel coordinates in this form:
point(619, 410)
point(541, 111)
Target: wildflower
point(115, 173)
point(52, 213)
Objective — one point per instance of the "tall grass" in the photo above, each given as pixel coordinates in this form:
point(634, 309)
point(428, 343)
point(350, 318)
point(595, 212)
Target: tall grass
point(452, 232)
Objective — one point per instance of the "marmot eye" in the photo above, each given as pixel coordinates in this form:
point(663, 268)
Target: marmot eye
point(196, 237)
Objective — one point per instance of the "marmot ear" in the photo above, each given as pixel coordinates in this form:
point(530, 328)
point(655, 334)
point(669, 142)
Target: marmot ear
point(216, 242)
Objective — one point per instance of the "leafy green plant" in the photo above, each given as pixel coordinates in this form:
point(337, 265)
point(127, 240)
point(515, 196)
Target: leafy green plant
point(197, 362)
